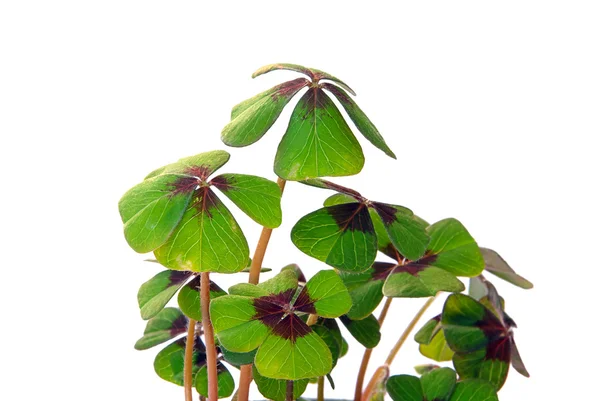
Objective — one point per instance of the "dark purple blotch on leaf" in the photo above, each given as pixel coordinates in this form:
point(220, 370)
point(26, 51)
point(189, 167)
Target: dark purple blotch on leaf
point(352, 217)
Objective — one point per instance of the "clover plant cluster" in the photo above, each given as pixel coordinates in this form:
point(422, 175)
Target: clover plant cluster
point(289, 332)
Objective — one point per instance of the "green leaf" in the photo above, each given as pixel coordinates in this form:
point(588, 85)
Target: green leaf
point(365, 290)
point(429, 330)
point(365, 331)
point(189, 298)
point(437, 349)
point(422, 369)
point(498, 266)
point(258, 197)
point(238, 358)
point(474, 390)
point(326, 292)
point(482, 343)
point(169, 362)
point(338, 199)
point(167, 324)
point(330, 339)
point(274, 389)
point(360, 119)
point(317, 142)
point(200, 166)
point(406, 234)
point(438, 384)
point(208, 239)
point(416, 280)
point(460, 318)
point(341, 236)
point(292, 358)
point(405, 388)
point(454, 249)
point(155, 293)
point(284, 281)
point(253, 117)
point(234, 322)
point(151, 210)
point(314, 74)
point(225, 382)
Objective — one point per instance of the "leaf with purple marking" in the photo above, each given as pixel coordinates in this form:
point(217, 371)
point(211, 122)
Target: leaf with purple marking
point(269, 320)
point(175, 213)
point(275, 389)
point(414, 280)
point(155, 293)
point(153, 209)
point(366, 289)
point(496, 265)
point(207, 239)
point(482, 341)
point(407, 234)
point(188, 298)
point(360, 119)
point(166, 325)
point(312, 73)
point(454, 248)
point(169, 365)
point(258, 197)
point(252, 118)
point(324, 295)
point(293, 351)
point(318, 142)
point(341, 236)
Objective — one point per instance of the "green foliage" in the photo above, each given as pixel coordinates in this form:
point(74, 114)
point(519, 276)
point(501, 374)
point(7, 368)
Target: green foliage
point(288, 327)
point(481, 338)
point(266, 316)
point(318, 142)
point(175, 213)
point(439, 385)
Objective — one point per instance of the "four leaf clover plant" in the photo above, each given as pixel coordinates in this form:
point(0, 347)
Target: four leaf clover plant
point(283, 334)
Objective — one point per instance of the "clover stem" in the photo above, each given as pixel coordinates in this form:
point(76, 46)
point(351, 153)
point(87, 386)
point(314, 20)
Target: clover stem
point(408, 330)
point(312, 319)
point(188, 362)
point(377, 383)
point(367, 355)
point(289, 391)
point(209, 337)
point(255, 266)
point(321, 389)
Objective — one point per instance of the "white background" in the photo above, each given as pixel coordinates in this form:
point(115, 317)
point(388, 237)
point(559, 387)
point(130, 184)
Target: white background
point(491, 107)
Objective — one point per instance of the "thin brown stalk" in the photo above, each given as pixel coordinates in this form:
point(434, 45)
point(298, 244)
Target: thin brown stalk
point(209, 337)
point(289, 391)
point(409, 329)
point(367, 355)
point(321, 389)
point(254, 277)
point(188, 362)
point(377, 383)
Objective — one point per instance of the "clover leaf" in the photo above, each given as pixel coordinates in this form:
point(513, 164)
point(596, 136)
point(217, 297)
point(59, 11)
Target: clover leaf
point(267, 316)
point(451, 252)
point(175, 213)
point(439, 385)
point(318, 142)
point(343, 235)
point(171, 323)
point(155, 293)
point(481, 337)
